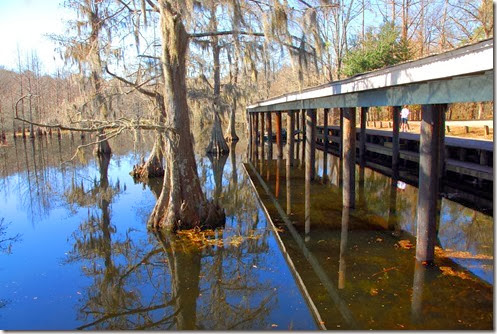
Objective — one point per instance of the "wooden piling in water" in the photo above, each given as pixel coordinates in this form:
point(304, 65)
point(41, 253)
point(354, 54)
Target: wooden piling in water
point(429, 153)
point(303, 129)
point(288, 183)
point(349, 139)
point(340, 149)
point(310, 144)
point(362, 137)
point(279, 142)
point(441, 111)
point(290, 126)
point(261, 138)
point(395, 140)
point(269, 130)
point(325, 126)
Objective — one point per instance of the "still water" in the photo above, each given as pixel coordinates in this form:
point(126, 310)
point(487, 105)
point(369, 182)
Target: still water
point(82, 257)
point(76, 253)
point(358, 265)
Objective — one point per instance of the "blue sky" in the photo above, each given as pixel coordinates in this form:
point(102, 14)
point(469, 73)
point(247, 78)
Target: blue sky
point(23, 23)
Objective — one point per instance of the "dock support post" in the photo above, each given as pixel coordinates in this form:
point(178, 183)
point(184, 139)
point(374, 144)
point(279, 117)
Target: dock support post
point(279, 142)
point(290, 125)
point(288, 175)
point(261, 138)
point(340, 149)
point(269, 130)
point(362, 138)
point(302, 127)
point(325, 127)
point(251, 135)
point(256, 138)
point(349, 138)
point(395, 141)
point(310, 144)
point(251, 127)
point(256, 127)
point(277, 184)
point(429, 155)
point(441, 110)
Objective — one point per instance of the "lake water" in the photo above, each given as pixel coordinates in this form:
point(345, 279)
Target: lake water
point(76, 253)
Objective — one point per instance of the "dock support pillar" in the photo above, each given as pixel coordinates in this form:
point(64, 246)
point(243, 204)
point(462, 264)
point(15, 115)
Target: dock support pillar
point(362, 137)
point(290, 126)
point(442, 109)
point(310, 144)
point(261, 138)
point(349, 139)
point(340, 149)
point(256, 139)
point(395, 141)
point(279, 142)
point(251, 127)
point(325, 127)
point(429, 155)
point(288, 175)
point(302, 127)
point(269, 130)
point(256, 127)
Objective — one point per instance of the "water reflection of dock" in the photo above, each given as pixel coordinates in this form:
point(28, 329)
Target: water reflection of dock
point(352, 262)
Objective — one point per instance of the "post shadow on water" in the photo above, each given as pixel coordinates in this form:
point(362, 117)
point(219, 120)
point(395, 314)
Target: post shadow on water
point(403, 293)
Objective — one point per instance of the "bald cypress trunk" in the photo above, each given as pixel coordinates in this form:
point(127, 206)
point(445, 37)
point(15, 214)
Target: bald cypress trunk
point(181, 204)
point(217, 144)
point(153, 166)
point(231, 132)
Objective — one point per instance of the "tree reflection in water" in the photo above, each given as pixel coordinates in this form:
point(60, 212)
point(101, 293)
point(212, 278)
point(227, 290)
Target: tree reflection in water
point(168, 281)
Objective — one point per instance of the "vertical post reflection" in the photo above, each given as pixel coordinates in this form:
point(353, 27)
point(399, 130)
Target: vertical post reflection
point(288, 189)
point(342, 266)
point(361, 196)
point(325, 166)
point(392, 211)
point(269, 130)
point(278, 167)
point(417, 292)
point(307, 207)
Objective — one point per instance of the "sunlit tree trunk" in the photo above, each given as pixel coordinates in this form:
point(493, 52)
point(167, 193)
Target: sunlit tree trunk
point(217, 144)
point(153, 166)
point(231, 132)
point(181, 204)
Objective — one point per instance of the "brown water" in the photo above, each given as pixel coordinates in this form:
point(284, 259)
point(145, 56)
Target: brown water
point(359, 266)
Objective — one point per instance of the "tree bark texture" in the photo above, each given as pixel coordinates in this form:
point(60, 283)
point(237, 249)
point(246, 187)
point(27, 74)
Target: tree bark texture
point(153, 166)
point(231, 132)
point(181, 204)
point(217, 145)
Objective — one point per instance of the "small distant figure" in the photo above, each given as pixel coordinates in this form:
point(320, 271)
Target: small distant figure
point(404, 114)
point(401, 185)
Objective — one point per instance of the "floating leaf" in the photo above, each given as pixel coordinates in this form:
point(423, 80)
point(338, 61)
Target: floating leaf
point(405, 244)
